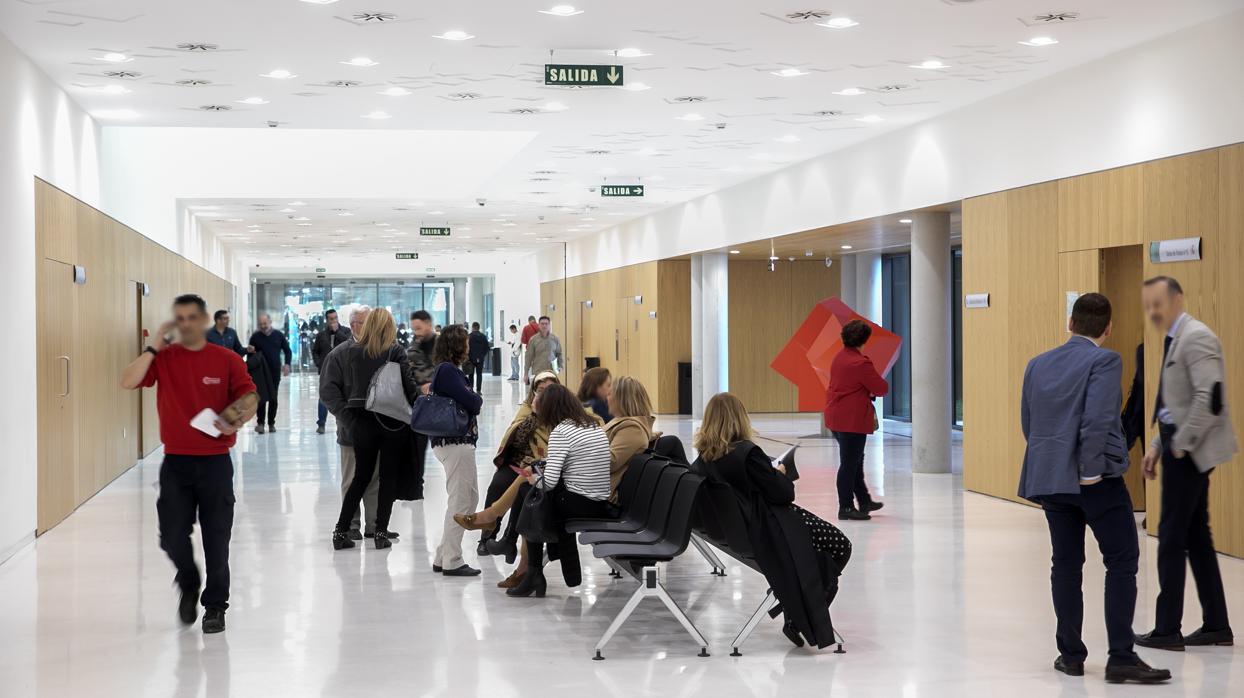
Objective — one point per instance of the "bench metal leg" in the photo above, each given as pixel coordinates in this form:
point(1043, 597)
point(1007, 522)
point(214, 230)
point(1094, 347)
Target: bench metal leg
point(719, 568)
point(841, 640)
point(752, 622)
point(615, 570)
point(650, 585)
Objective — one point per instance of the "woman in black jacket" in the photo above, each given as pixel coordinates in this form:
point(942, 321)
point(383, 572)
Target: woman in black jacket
point(800, 554)
point(375, 436)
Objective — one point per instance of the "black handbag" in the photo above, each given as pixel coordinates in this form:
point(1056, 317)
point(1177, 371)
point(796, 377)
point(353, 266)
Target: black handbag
point(537, 522)
point(438, 415)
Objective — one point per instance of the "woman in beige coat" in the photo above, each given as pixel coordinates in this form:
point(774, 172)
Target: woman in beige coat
point(630, 430)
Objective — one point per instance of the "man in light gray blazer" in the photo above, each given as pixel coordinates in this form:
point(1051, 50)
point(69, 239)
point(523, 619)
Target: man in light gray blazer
point(1073, 467)
point(1194, 437)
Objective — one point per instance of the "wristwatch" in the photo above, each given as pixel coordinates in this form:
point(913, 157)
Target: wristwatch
point(151, 350)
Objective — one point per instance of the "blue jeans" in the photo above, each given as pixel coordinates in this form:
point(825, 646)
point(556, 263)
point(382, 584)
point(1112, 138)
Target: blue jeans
point(321, 413)
point(513, 368)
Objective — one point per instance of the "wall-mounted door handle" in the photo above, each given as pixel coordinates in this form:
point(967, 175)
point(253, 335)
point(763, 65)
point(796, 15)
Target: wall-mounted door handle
point(68, 376)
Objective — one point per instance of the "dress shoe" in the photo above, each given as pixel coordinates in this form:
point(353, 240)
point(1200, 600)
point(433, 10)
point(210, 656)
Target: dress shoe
point(213, 620)
point(383, 540)
point(319, 428)
point(258, 428)
point(533, 583)
point(873, 506)
point(1069, 667)
point(1173, 642)
point(1138, 672)
point(272, 428)
point(391, 534)
point(437, 569)
point(462, 571)
point(482, 548)
point(792, 634)
point(354, 534)
point(505, 546)
point(1202, 637)
point(511, 581)
point(188, 606)
point(852, 515)
point(341, 540)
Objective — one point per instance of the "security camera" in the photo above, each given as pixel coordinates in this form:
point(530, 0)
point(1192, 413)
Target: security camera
point(273, 124)
point(591, 190)
point(829, 262)
point(720, 126)
point(482, 202)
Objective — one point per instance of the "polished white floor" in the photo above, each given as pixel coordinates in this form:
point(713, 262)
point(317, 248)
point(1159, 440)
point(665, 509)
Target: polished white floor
point(947, 595)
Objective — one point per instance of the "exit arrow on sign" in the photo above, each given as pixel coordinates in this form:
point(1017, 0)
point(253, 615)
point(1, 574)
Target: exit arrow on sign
point(613, 74)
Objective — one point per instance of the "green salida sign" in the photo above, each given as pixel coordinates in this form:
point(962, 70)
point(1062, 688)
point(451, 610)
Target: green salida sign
point(622, 190)
point(583, 75)
point(406, 255)
point(434, 232)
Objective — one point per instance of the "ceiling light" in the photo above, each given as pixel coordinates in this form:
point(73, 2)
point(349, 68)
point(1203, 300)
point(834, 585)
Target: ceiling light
point(636, 87)
point(555, 106)
point(905, 221)
point(115, 114)
point(846, 247)
point(114, 58)
point(931, 64)
point(297, 203)
point(789, 73)
point(278, 74)
point(304, 225)
point(453, 35)
point(302, 218)
point(735, 251)
point(288, 210)
point(436, 213)
point(114, 89)
point(646, 152)
point(839, 23)
point(870, 119)
point(377, 114)
point(360, 62)
point(253, 100)
point(1040, 41)
point(788, 138)
point(630, 53)
point(562, 11)
point(395, 92)
point(320, 2)
point(690, 117)
point(850, 92)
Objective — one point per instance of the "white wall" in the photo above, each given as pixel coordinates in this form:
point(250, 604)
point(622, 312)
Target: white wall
point(1174, 95)
point(42, 134)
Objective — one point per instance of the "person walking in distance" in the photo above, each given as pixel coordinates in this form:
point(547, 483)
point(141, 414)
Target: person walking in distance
point(515, 345)
point(1073, 468)
point(480, 346)
point(849, 413)
point(196, 477)
point(333, 394)
point(1194, 437)
point(544, 351)
point(222, 335)
point(529, 330)
point(325, 341)
point(271, 344)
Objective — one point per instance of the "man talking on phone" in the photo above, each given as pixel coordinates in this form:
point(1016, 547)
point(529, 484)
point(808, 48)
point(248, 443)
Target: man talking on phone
point(196, 477)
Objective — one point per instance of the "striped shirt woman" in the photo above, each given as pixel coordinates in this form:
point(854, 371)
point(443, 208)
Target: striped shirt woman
point(579, 458)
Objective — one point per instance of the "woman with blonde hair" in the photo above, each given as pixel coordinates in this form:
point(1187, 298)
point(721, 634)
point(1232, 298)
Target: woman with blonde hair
point(630, 430)
point(800, 554)
point(377, 438)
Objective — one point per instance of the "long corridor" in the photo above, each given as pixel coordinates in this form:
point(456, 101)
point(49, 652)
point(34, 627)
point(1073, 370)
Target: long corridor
point(922, 604)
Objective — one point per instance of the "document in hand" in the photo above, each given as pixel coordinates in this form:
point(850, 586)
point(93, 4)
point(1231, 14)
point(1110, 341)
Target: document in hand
point(205, 422)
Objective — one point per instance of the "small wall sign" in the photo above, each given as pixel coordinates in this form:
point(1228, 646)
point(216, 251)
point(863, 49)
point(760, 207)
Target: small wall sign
point(1180, 250)
point(434, 232)
point(976, 300)
point(406, 255)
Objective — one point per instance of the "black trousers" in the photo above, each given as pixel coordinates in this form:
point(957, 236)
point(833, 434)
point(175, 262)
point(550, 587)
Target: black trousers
point(501, 481)
point(376, 438)
point(851, 486)
point(199, 486)
point(475, 375)
point(1184, 539)
point(266, 413)
point(568, 505)
point(1106, 508)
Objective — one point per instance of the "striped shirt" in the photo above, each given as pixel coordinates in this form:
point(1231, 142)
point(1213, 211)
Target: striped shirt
point(579, 458)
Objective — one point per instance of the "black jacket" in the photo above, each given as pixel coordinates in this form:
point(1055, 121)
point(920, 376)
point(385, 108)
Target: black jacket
point(801, 578)
point(346, 398)
point(1134, 410)
point(478, 347)
point(325, 341)
point(257, 366)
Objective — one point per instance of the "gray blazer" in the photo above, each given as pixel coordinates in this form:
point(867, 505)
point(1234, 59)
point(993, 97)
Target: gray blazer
point(1194, 390)
point(1069, 412)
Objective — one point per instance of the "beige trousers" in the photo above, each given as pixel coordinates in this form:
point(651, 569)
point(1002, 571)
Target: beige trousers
point(462, 488)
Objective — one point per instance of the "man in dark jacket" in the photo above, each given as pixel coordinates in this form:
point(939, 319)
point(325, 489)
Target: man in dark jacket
point(419, 356)
point(325, 341)
point(222, 335)
point(270, 343)
point(478, 347)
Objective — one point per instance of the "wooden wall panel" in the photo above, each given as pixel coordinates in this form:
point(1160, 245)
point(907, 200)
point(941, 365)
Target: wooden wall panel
point(1098, 210)
point(1227, 485)
point(1078, 273)
point(674, 321)
point(760, 326)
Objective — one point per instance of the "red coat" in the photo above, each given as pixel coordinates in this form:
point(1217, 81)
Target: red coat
point(853, 383)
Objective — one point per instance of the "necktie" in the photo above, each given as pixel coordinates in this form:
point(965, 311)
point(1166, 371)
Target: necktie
point(1166, 349)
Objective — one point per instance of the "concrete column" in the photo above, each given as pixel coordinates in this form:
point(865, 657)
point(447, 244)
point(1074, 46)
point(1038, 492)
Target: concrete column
point(847, 275)
point(868, 285)
point(930, 342)
point(710, 322)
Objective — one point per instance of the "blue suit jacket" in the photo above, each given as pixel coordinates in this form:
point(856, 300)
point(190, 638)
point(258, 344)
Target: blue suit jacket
point(1070, 415)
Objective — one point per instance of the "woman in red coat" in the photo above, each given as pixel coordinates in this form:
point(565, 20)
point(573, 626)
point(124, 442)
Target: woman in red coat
point(853, 383)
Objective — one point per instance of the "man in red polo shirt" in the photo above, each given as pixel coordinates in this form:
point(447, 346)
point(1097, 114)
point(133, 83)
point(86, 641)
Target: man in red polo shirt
point(196, 477)
point(530, 329)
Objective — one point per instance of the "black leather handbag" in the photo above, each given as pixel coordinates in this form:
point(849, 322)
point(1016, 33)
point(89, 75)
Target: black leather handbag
point(537, 523)
point(438, 415)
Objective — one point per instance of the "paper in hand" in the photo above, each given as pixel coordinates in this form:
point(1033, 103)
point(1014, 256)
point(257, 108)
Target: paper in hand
point(205, 422)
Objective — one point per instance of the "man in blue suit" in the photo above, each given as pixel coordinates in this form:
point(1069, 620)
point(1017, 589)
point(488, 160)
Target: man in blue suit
point(1073, 468)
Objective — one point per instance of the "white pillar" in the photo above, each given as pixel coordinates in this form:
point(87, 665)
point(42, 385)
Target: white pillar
point(710, 316)
point(868, 285)
point(930, 342)
point(847, 275)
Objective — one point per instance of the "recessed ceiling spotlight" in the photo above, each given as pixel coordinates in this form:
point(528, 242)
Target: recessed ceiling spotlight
point(690, 117)
point(253, 100)
point(630, 53)
point(304, 225)
point(789, 73)
point(360, 62)
point(394, 92)
point(646, 152)
point(870, 119)
point(555, 106)
point(735, 251)
point(846, 247)
point(436, 213)
point(288, 210)
point(788, 138)
point(454, 35)
point(839, 23)
point(297, 203)
point(562, 11)
point(850, 92)
point(377, 114)
point(114, 89)
point(278, 74)
point(302, 218)
point(345, 213)
point(636, 87)
point(320, 2)
point(1040, 41)
point(905, 221)
point(114, 58)
point(931, 64)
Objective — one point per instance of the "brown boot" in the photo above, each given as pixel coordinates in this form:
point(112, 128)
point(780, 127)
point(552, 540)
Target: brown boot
point(511, 581)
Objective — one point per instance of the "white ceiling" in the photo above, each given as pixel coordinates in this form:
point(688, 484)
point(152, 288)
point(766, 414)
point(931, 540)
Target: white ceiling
point(712, 58)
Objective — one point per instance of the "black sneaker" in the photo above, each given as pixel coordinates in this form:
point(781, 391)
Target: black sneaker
point(188, 606)
point(319, 428)
point(1173, 642)
point(1138, 673)
point(213, 620)
point(258, 428)
point(1069, 667)
point(852, 515)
